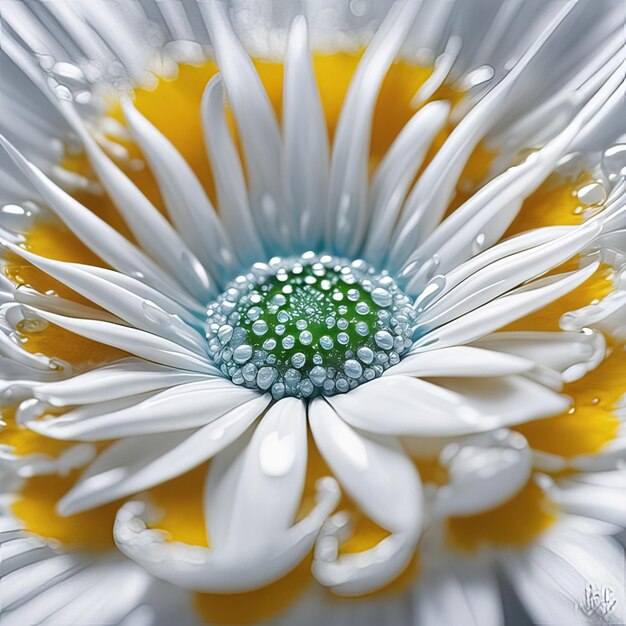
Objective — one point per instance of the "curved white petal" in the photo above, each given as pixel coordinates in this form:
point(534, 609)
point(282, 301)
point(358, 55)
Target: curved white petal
point(560, 576)
point(379, 476)
point(464, 361)
point(431, 194)
point(400, 405)
point(347, 200)
point(252, 494)
point(130, 306)
point(185, 406)
point(506, 274)
point(373, 469)
point(572, 354)
point(484, 471)
point(95, 233)
point(121, 379)
point(230, 184)
point(396, 172)
point(306, 156)
point(597, 495)
point(509, 400)
point(503, 310)
point(484, 218)
point(187, 203)
point(458, 593)
point(257, 125)
point(360, 572)
point(137, 342)
point(153, 232)
point(132, 465)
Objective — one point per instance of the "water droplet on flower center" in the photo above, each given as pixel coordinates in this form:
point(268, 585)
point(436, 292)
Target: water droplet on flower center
point(309, 325)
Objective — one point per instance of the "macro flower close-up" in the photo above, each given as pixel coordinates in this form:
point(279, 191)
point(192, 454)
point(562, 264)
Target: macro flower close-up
point(312, 312)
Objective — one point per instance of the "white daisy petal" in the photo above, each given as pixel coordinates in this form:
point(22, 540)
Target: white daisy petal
point(133, 308)
point(357, 573)
point(121, 379)
point(484, 218)
point(572, 354)
point(86, 592)
point(560, 576)
point(484, 471)
point(429, 197)
point(132, 465)
point(267, 480)
point(184, 406)
point(608, 315)
point(374, 470)
point(504, 310)
point(148, 225)
point(396, 172)
point(257, 126)
point(598, 496)
point(509, 400)
point(381, 479)
point(95, 233)
point(187, 203)
point(503, 249)
point(459, 593)
point(464, 361)
point(400, 405)
point(306, 141)
point(347, 216)
point(506, 274)
point(255, 485)
point(229, 179)
point(137, 342)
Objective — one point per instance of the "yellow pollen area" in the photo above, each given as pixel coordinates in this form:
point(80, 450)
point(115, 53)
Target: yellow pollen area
point(591, 422)
point(36, 507)
point(513, 524)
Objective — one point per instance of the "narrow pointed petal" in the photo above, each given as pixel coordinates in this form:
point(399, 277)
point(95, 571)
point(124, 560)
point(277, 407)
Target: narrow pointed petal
point(462, 361)
point(134, 309)
point(485, 217)
point(131, 466)
point(572, 354)
point(347, 217)
point(127, 377)
point(430, 196)
point(138, 342)
point(503, 249)
point(484, 471)
point(400, 405)
point(506, 274)
point(396, 172)
point(153, 232)
point(185, 406)
point(503, 310)
point(257, 125)
point(306, 142)
point(231, 188)
point(187, 203)
point(95, 233)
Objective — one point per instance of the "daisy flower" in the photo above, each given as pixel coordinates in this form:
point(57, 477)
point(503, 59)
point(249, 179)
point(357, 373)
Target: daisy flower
point(309, 298)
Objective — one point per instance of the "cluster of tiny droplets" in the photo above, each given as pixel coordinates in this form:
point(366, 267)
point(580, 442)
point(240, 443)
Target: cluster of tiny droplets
point(309, 325)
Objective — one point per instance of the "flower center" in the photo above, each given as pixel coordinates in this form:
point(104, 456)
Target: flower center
point(309, 325)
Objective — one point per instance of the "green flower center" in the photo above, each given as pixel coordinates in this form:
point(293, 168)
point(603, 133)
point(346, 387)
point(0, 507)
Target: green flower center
point(309, 325)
